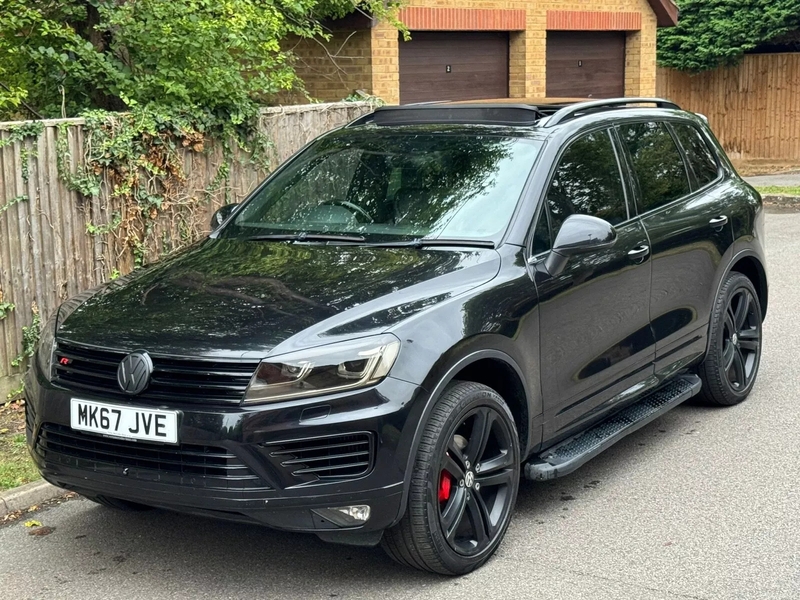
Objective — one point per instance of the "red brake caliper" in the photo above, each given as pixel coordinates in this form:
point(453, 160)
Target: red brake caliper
point(445, 482)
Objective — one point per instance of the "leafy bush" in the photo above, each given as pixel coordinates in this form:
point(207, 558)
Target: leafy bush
point(214, 60)
point(712, 33)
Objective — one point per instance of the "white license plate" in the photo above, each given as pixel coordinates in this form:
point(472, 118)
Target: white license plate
point(146, 424)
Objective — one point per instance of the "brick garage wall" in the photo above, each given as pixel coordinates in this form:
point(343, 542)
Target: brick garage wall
point(527, 69)
point(528, 49)
point(334, 69)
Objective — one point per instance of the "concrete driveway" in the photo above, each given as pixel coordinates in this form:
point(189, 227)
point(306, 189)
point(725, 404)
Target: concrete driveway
point(703, 503)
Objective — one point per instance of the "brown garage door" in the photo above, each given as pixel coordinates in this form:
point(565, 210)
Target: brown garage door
point(585, 64)
point(453, 65)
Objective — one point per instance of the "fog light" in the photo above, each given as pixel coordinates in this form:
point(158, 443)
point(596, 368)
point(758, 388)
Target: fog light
point(358, 513)
point(345, 516)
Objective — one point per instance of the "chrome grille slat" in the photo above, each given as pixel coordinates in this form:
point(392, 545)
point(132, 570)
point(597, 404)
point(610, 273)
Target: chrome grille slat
point(180, 378)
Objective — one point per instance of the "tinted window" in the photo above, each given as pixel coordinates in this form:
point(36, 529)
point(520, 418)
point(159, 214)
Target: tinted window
point(699, 154)
point(387, 185)
point(541, 235)
point(657, 162)
point(587, 182)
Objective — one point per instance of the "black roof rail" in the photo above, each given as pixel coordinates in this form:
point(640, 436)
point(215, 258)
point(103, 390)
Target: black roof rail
point(473, 114)
point(574, 110)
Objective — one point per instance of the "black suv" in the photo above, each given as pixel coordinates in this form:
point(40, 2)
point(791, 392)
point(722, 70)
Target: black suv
point(409, 315)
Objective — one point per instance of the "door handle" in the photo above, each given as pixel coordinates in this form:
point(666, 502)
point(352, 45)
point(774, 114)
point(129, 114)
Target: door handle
point(639, 253)
point(718, 222)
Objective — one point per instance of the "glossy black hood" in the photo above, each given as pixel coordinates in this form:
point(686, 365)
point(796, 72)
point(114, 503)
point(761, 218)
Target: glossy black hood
point(229, 297)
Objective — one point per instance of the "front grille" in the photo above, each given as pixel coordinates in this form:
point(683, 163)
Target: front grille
point(185, 379)
point(185, 464)
point(329, 457)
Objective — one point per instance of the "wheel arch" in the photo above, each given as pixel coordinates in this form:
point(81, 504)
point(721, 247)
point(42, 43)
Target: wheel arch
point(749, 265)
point(491, 367)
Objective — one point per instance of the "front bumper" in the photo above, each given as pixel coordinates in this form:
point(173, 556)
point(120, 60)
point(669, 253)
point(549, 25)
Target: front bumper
point(232, 461)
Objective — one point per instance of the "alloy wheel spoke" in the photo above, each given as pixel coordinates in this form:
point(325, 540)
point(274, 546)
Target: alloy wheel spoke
point(738, 368)
point(742, 310)
point(497, 478)
point(451, 466)
point(730, 320)
point(728, 354)
point(479, 518)
point(456, 453)
point(454, 512)
point(481, 430)
point(501, 461)
point(749, 339)
point(751, 345)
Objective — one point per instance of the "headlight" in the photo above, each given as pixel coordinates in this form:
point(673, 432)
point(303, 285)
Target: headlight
point(324, 370)
point(47, 342)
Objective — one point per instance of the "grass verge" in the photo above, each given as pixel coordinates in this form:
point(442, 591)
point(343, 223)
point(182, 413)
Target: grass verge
point(775, 190)
point(16, 466)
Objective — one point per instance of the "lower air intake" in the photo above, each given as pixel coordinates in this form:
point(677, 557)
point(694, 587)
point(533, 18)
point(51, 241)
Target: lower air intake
point(335, 457)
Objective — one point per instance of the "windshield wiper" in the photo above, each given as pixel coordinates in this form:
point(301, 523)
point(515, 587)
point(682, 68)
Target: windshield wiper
point(308, 237)
point(424, 242)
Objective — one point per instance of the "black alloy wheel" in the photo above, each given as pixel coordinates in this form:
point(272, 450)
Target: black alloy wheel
point(741, 339)
point(463, 486)
point(475, 480)
point(734, 353)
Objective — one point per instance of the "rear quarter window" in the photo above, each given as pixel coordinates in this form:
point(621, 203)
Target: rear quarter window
point(701, 158)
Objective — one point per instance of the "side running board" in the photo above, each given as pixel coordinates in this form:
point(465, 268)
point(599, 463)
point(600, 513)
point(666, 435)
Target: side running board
point(566, 456)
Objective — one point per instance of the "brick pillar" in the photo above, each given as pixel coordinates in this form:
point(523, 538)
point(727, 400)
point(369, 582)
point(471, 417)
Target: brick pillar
point(517, 64)
point(385, 63)
point(640, 60)
point(536, 54)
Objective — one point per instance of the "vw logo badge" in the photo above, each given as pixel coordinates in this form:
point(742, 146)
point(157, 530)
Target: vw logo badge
point(469, 478)
point(133, 373)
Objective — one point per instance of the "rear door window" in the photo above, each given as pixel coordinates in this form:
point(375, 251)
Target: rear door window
point(657, 163)
point(587, 181)
point(700, 156)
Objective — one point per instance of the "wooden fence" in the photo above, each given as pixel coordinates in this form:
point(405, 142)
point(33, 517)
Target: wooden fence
point(754, 108)
point(46, 251)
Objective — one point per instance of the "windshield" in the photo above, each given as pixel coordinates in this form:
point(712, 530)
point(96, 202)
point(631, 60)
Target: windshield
point(393, 186)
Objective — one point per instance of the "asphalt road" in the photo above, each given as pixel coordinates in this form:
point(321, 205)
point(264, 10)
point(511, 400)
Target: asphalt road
point(791, 178)
point(703, 503)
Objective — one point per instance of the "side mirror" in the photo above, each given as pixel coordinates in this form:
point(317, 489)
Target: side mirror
point(579, 234)
point(222, 213)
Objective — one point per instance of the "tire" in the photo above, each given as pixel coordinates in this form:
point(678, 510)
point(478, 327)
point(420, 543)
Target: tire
point(118, 504)
point(481, 464)
point(730, 367)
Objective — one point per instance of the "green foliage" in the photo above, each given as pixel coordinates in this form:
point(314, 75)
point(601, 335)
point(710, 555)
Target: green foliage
point(216, 60)
point(12, 202)
point(19, 133)
point(712, 33)
point(116, 220)
point(16, 393)
point(5, 308)
point(30, 338)
point(16, 466)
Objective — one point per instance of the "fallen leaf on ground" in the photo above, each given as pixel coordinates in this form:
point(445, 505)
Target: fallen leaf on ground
point(32, 523)
point(42, 531)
